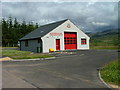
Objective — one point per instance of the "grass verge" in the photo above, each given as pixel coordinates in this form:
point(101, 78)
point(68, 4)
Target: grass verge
point(110, 72)
point(16, 54)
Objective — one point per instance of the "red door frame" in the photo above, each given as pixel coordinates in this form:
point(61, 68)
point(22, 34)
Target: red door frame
point(57, 44)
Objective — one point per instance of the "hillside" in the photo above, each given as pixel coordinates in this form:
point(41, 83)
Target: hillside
point(105, 38)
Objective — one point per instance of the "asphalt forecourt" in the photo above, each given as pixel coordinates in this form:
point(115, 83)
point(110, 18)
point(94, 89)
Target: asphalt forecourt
point(77, 71)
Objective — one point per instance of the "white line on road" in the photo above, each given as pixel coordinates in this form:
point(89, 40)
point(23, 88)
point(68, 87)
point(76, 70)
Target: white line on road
point(37, 59)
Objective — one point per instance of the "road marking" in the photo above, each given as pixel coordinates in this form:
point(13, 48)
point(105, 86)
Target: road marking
point(37, 59)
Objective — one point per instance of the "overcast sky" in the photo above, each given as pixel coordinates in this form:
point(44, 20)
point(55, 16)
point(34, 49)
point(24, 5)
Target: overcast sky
point(88, 16)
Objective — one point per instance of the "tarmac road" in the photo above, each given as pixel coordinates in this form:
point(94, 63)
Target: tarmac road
point(71, 71)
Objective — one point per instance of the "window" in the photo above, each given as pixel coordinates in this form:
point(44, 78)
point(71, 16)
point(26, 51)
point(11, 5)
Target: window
point(83, 41)
point(26, 43)
point(70, 40)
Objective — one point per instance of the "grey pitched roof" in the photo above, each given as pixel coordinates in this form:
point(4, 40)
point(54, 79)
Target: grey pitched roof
point(42, 30)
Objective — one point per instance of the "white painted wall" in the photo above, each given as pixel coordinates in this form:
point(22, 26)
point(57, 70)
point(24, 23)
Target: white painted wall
point(50, 41)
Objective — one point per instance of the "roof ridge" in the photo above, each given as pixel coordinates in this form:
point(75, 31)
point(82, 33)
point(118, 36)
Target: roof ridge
point(55, 22)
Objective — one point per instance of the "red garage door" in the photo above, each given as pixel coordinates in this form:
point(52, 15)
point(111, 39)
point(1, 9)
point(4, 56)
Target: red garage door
point(70, 40)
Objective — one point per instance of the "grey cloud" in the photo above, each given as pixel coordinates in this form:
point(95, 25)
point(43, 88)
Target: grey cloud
point(82, 14)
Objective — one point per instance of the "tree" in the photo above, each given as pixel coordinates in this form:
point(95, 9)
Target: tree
point(36, 26)
point(23, 27)
point(4, 32)
point(16, 24)
point(30, 27)
point(12, 30)
point(4, 24)
point(10, 22)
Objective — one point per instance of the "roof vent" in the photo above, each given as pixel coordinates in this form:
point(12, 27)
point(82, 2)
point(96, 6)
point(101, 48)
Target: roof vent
point(41, 31)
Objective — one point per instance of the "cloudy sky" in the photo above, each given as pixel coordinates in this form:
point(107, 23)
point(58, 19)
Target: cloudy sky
point(88, 16)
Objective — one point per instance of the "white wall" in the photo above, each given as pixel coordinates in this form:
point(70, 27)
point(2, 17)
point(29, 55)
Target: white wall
point(50, 41)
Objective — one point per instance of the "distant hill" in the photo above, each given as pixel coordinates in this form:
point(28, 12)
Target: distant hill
point(105, 38)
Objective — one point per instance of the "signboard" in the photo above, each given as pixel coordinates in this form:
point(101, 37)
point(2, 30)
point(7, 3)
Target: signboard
point(68, 26)
point(56, 34)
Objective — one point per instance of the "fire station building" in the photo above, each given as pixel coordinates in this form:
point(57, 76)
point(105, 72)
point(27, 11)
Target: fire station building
point(61, 35)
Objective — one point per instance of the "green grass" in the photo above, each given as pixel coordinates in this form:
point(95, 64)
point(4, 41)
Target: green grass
point(109, 41)
point(105, 40)
point(105, 47)
point(110, 72)
point(16, 54)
